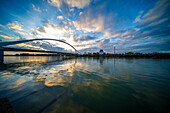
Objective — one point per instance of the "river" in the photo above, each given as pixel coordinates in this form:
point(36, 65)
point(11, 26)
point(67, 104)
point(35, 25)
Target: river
point(36, 84)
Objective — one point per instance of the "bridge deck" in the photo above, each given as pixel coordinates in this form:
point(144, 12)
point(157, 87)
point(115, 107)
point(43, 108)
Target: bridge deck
point(28, 50)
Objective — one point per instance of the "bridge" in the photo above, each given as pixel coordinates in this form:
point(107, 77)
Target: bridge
point(3, 48)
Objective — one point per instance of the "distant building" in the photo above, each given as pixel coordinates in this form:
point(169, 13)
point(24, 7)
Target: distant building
point(101, 52)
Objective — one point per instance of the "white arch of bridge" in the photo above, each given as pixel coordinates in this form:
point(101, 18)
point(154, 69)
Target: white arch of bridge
point(23, 41)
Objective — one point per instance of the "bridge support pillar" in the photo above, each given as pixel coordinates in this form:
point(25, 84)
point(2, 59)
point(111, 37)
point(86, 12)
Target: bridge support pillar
point(1, 57)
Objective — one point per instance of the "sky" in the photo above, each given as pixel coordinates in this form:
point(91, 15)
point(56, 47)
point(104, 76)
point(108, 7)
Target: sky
point(88, 25)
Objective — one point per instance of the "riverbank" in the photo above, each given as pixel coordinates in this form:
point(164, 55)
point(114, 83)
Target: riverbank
point(136, 55)
point(149, 55)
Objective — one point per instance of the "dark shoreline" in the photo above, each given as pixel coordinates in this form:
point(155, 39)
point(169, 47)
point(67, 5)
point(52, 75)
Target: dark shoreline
point(154, 55)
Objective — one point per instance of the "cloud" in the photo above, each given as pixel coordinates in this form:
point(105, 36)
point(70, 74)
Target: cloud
point(80, 13)
point(105, 41)
point(16, 26)
point(105, 44)
point(6, 36)
point(90, 49)
point(84, 38)
point(28, 46)
point(87, 38)
point(2, 26)
point(39, 45)
point(60, 17)
point(56, 3)
point(78, 3)
point(129, 33)
point(158, 12)
point(88, 24)
point(47, 46)
point(152, 26)
point(34, 34)
point(138, 18)
point(111, 34)
point(54, 31)
point(162, 45)
point(71, 3)
point(21, 32)
point(154, 23)
point(71, 9)
point(95, 20)
point(41, 29)
point(36, 9)
point(80, 45)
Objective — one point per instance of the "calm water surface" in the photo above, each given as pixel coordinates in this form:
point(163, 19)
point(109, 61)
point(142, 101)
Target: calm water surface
point(86, 85)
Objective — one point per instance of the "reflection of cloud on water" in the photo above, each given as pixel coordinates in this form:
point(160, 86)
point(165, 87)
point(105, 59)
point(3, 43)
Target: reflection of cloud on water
point(54, 81)
point(50, 74)
point(17, 83)
point(69, 72)
point(75, 72)
point(58, 75)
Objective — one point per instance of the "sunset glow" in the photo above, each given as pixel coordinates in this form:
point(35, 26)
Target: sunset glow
point(89, 25)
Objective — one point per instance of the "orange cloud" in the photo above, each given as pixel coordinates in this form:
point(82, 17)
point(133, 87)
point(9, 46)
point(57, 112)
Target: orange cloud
point(6, 36)
point(15, 26)
point(60, 17)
